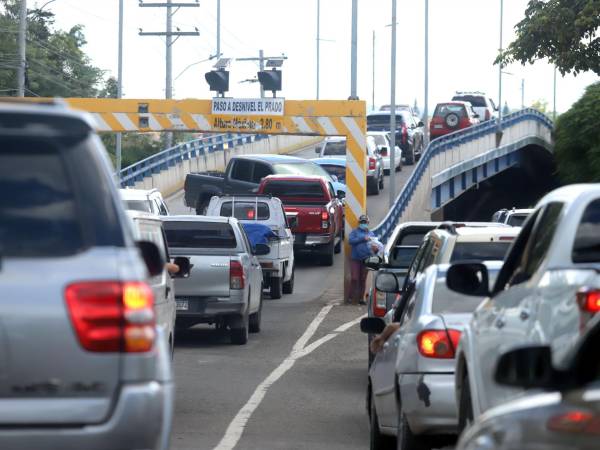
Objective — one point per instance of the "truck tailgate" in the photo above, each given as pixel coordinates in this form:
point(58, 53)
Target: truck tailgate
point(209, 277)
point(304, 219)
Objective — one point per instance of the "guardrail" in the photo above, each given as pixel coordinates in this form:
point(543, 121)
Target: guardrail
point(444, 144)
point(182, 152)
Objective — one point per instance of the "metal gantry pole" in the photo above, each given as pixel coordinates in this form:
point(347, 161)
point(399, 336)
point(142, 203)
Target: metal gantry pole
point(354, 50)
point(318, 45)
point(426, 106)
point(522, 93)
point(500, 67)
point(22, 42)
point(261, 65)
point(373, 90)
point(169, 63)
point(119, 87)
point(218, 29)
point(392, 149)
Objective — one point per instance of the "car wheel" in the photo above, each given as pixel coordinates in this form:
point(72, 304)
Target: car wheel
point(405, 439)
point(255, 318)
point(386, 171)
point(288, 286)
point(410, 157)
point(327, 257)
point(338, 246)
point(452, 120)
point(239, 336)
point(374, 188)
point(465, 406)
point(378, 441)
point(276, 287)
point(381, 181)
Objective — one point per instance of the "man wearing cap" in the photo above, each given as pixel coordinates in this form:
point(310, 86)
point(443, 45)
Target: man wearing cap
point(361, 249)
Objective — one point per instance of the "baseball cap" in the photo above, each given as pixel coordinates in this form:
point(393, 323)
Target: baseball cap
point(363, 219)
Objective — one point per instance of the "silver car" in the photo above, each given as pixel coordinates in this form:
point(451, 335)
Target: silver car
point(411, 381)
point(562, 410)
point(82, 364)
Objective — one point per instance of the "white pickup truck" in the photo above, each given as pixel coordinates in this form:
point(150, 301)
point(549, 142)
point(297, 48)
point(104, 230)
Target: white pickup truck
point(278, 265)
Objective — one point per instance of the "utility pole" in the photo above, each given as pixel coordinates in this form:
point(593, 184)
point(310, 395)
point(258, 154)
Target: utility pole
point(261, 64)
point(168, 34)
point(119, 87)
point(554, 98)
point(522, 93)
point(354, 51)
point(373, 92)
point(426, 106)
point(22, 41)
point(218, 55)
point(318, 44)
point(500, 68)
point(392, 149)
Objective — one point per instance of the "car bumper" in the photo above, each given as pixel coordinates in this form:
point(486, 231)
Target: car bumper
point(205, 309)
point(309, 241)
point(429, 403)
point(140, 420)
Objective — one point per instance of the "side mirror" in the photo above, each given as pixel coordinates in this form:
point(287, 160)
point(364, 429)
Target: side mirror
point(527, 367)
point(373, 262)
point(318, 150)
point(387, 282)
point(420, 124)
point(184, 267)
point(372, 325)
point(261, 249)
point(152, 257)
point(468, 279)
point(341, 194)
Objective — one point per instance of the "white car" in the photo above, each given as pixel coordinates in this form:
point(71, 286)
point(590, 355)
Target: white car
point(547, 290)
point(513, 217)
point(382, 141)
point(332, 147)
point(483, 106)
point(150, 201)
point(278, 265)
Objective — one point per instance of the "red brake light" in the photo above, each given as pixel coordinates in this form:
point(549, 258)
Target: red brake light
point(438, 343)
point(111, 316)
point(379, 303)
point(488, 116)
point(574, 422)
point(589, 300)
point(324, 215)
point(372, 163)
point(236, 275)
point(250, 214)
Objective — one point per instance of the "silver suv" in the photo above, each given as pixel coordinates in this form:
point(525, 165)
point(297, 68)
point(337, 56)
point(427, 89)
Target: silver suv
point(82, 364)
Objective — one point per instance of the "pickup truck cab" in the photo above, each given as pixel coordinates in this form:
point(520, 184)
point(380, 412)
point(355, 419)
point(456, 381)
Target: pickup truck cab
point(314, 212)
point(278, 264)
point(225, 282)
point(242, 176)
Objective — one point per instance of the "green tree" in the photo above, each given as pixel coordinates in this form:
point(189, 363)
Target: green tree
point(564, 31)
point(541, 105)
point(577, 139)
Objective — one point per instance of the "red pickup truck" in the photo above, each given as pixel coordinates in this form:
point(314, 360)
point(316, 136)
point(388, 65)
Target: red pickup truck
point(314, 213)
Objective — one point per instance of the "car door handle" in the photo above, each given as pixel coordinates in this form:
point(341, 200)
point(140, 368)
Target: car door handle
point(500, 323)
point(524, 315)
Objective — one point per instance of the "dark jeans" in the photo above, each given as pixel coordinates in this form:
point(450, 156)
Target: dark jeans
point(358, 279)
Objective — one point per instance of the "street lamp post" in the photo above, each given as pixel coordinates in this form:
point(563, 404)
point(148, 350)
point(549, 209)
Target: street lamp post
point(119, 88)
point(392, 149)
point(500, 69)
point(426, 106)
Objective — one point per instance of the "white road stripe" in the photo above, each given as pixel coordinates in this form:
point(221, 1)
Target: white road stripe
point(326, 124)
point(238, 424)
point(302, 125)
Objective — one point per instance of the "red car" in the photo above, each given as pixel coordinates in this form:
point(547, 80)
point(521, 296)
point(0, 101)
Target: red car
point(450, 117)
point(315, 214)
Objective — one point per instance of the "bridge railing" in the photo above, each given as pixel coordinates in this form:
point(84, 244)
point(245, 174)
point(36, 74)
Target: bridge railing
point(447, 150)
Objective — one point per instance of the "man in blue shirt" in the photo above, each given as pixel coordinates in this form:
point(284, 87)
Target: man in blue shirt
point(360, 242)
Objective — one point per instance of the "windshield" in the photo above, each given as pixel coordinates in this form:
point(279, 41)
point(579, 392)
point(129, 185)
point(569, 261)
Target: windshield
point(586, 248)
point(138, 205)
point(338, 171)
point(334, 148)
point(382, 122)
point(480, 251)
point(477, 101)
point(445, 109)
point(296, 192)
point(517, 220)
point(246, 210)
point(402, 256)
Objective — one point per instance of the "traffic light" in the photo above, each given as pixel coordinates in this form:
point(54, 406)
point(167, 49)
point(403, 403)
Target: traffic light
point(218, 80)
point(270, 80)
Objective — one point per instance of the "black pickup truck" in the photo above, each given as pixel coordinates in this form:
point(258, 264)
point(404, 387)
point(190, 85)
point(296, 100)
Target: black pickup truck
point(243, 175)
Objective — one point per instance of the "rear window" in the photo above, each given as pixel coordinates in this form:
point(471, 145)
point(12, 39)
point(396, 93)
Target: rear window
point(444, 110)
point(310, 192)
point(480, 251)
point(412, 238)
point(138, 205)
point(200, 235)
point(401, 257)
point(334, 149)
point(37, 204)
point(446, 301)
point(246, 210)
point(383, 121)
point(476, 101)
point(586, 248)
point(517, 220)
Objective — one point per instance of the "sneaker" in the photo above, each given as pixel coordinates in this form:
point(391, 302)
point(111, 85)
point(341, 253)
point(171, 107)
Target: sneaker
point(362, 302)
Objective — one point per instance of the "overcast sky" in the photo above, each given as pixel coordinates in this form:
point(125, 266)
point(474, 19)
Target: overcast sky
point(464, 38)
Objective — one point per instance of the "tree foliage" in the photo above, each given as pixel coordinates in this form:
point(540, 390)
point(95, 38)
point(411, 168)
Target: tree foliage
point(577, 139)
point(564, 31)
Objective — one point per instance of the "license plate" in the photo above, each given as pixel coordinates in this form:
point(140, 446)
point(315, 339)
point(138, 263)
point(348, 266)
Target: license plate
point(438, 126)
point(182, 305)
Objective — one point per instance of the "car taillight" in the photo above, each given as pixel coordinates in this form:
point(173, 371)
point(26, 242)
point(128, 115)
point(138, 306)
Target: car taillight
point(438, 343)
point(372, 163)
point(488, 116)
point(589, 300)
point(574, 422)
point(236, 275)
point(112, 316)
point(250, 214)
point(324, 220)
point(379, 303)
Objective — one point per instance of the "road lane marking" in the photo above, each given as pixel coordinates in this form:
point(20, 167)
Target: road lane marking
point(236, 428)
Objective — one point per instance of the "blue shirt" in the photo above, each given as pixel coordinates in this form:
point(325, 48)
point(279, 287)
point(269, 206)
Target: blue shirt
point(360, 247)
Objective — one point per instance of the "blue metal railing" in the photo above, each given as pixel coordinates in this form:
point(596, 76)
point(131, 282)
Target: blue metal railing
point(441, 145)
point(187, 150)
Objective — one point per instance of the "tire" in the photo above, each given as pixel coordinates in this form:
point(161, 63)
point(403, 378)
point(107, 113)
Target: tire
point(381, 182)
point(377, 440)
point(288, 286)
point(327, 256)
point(386, 171)
point(374, 188)
point(410, 157)
point(452, 120)
point(255, 319)
point(239, 336)
point(405, 439)
point(465, 405)
point(276, 287)
point(338, 247)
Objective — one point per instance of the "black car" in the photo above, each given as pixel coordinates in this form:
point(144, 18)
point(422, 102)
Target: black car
point(409, 132)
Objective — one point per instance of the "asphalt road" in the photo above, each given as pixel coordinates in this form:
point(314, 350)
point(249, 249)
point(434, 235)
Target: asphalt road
point(298, 384)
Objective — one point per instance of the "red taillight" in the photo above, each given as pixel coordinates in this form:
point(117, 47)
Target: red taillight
point(324, 215)
point(324, 220)
point(575, 422)
point(488, 116)
point(236, 275)
point(438, 343)
point(250, 214)
point(379, 303)
point(372, 163)
point(589, 300)
point(111, 316)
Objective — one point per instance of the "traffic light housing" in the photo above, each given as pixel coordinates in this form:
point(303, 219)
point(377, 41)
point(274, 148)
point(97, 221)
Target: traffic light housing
point(218, 80)
point(270, 80)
